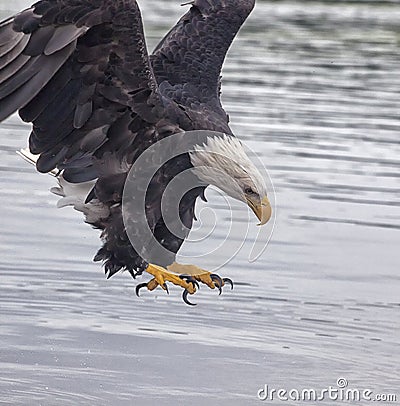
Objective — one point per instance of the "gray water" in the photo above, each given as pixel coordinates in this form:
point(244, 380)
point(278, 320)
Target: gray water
point(313, 88)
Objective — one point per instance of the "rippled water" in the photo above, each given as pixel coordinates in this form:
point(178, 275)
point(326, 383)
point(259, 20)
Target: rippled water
point(313, 88)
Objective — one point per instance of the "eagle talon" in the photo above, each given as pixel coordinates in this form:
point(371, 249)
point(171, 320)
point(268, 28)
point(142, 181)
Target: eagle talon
point(227, 280)
point(165, 287)
point(186, 276)
point(190, 279)
point(218, 282)
point(140, 286)
point(185, 299)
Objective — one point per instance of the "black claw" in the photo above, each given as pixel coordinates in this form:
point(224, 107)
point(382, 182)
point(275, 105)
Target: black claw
point(185, 299)
point(227, 280)
point(166, 287)
point(140, 286)
point(217, 280)
point(190, 279)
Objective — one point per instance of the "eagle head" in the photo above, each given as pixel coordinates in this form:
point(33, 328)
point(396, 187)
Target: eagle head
point(222, 161)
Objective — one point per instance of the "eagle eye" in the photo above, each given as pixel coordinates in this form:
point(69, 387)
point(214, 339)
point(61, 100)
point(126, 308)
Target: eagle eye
point(249, 191)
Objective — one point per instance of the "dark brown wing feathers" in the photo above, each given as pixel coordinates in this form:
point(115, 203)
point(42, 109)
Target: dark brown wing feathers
point(74, 68)
point(191, 55)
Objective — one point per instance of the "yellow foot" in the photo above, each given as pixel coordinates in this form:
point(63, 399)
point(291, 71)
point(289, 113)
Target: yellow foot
point(185, 276)
point(212, 280)
point(162, 276)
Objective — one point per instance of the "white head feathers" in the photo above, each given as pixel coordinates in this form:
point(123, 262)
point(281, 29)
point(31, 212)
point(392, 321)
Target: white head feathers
point(223, 162)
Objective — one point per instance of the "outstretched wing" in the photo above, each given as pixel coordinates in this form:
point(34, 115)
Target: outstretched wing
point(79, 70)
point(187, 63)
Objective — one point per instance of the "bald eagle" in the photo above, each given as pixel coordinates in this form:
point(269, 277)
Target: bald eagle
point(79, 71)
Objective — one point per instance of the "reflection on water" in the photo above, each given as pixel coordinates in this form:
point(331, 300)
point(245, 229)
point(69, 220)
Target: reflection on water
point(321, 109)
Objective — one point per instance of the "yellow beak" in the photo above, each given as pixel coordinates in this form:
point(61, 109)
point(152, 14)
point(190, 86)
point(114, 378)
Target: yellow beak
point(262, 209)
